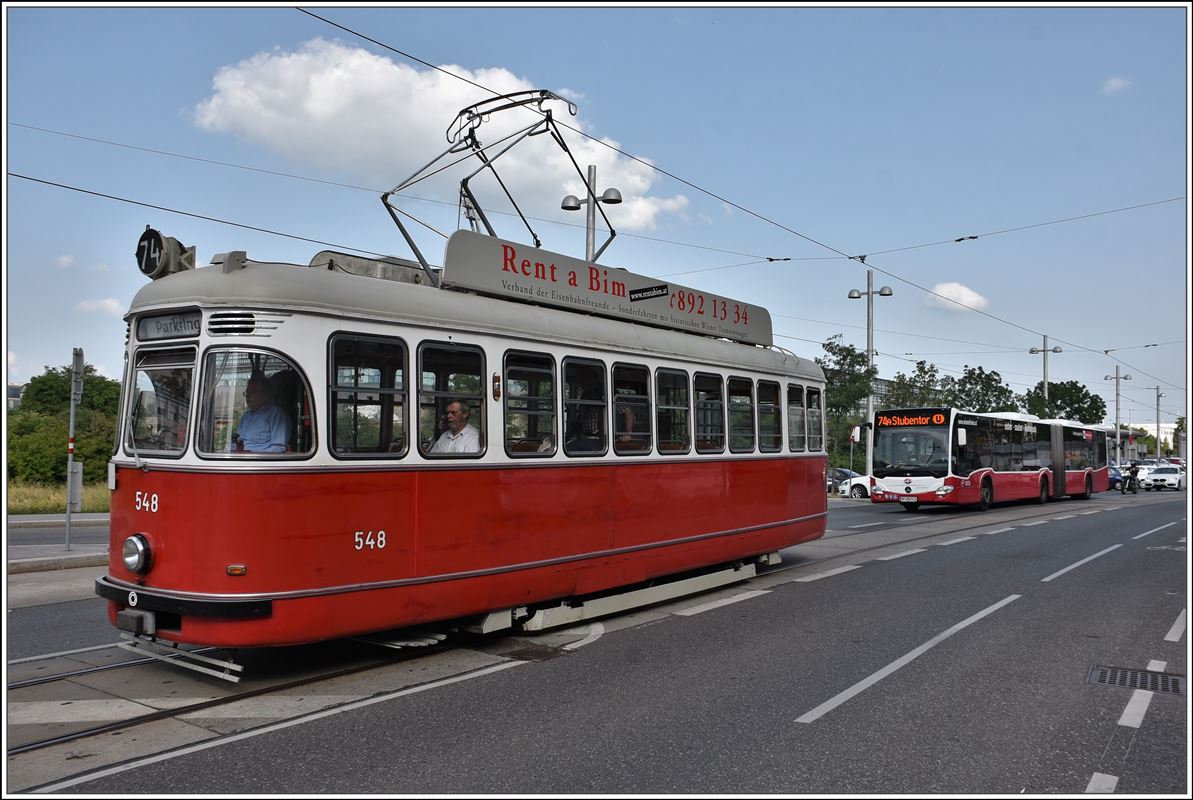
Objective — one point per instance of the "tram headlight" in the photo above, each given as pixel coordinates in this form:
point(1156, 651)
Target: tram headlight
point(136, 553)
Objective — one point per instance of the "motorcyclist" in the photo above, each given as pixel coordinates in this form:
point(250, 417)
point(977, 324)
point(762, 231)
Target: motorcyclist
point(1131, 479)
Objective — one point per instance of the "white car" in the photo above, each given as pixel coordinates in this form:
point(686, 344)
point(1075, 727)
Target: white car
point(858, 486)
point(1163, 478)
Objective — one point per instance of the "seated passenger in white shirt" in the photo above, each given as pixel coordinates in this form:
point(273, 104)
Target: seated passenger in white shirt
point(460, 437)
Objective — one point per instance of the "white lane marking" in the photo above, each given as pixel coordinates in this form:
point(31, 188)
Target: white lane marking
point(954, 541)
point(62, 653)
point(1037, 522)
point(280, 706)
point(1137, 706)
point(866, 525)
point(1079, 563)
point(996, 530)
point(195, 748)
point(1178, 628)
point(905, 520)
point(1153, 530)
point(1113, 508)
point(898, 663)
point(1066, 516)
point(1101, 783)
point(1156, 666)
point(828, 574)
point(1095, 511)
point(900, 555)
point(724, 601)
point(595, 631)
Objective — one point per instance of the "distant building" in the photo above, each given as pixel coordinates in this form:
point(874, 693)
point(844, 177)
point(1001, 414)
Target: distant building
point(15, 392)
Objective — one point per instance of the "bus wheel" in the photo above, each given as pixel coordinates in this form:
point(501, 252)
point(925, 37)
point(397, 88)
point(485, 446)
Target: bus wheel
point(985, 495)
point(910, 506)
point(1089, 490)
point(1043, 492)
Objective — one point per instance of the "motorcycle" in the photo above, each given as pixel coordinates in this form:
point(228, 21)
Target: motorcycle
point(1130, 484)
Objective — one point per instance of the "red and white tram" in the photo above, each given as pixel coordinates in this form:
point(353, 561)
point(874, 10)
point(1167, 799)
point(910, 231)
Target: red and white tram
point(946, 455)
point(609, 452)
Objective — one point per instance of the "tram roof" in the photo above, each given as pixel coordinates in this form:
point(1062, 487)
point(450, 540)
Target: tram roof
point(246, 284)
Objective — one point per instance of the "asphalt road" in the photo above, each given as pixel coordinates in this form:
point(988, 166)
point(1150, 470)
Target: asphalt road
point(955, 664)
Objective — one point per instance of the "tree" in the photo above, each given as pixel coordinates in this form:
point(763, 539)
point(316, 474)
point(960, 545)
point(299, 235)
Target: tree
point(1068, 400)
point(921, 388)
point(849, 381)
point(979, 390)
point(49, 393)
point(39, 427)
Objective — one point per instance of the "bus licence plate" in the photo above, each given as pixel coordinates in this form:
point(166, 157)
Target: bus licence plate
point(907, 498)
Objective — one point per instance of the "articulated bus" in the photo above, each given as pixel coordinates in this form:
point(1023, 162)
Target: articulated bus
point(946, 455)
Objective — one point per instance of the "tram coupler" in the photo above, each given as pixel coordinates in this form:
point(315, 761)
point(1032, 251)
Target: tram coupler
point(136, 622)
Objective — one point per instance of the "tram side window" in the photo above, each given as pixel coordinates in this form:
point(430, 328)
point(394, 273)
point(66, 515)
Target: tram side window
point(672, 409)
point(161, 401)
point(368, 397)
point(529, 405)
point(770, 418)
point(451, 415)
point(741, 415)
point(815, 420)
point(797, 438)
point(585, 409)
point(710, 413)
point(254, 403)
point(631, 409)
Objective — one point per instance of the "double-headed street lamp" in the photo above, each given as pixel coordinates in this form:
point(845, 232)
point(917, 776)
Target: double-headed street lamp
point(573, 203)
point(1118, 433)
point(1045, 351)
point(854, 294)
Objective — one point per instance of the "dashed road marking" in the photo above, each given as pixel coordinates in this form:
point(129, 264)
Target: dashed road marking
point(900, 555)
point(828, 574)
point(724, 601)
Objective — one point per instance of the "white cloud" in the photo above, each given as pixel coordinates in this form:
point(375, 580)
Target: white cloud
point(13, 362)
point(65, 262)
point(109, 306)
point(958, 292)
point(1116, 84)
point(363, 117)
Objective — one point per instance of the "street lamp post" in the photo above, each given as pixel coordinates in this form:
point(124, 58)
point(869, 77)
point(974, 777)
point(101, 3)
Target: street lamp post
point(1118, 433)
point(1045, 351)
point(854, 294)
point(573, 203)
point(1159, 394)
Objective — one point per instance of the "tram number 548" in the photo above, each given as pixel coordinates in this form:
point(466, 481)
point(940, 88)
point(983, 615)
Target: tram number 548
point(373, 541)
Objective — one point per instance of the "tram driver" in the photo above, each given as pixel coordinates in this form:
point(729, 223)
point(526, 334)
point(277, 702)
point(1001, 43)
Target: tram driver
point(460, 436)
point(263, 427)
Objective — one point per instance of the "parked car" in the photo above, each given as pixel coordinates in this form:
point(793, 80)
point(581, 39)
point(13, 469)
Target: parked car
point(858, 486)
point(837, 476)
point(1116, 479)
point(1168, 477)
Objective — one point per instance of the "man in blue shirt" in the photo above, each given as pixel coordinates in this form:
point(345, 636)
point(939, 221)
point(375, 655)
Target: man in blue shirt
point(263, 427)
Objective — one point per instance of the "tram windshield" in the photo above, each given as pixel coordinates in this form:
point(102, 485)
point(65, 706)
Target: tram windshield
point(253, 403)
point(161, 401)
point(914, 451)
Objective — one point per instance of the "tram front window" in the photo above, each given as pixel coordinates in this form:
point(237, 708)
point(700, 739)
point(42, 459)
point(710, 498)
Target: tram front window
point(920, 451)
point(253, 404)
point(161, 401)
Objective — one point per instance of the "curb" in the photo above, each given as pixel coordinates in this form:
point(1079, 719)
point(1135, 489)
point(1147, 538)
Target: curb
point(17, 522)
point(57, 562)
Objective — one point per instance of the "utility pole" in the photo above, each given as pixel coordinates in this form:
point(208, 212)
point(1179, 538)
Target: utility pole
point(74, 488)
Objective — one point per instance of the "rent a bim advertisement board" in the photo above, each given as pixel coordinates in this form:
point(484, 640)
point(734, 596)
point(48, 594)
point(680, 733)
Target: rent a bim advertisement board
point(515, 271)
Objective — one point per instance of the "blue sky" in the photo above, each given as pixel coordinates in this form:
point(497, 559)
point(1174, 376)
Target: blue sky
point(828, 131)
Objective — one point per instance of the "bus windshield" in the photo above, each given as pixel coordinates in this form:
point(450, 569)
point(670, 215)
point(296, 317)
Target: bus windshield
point(919, 451)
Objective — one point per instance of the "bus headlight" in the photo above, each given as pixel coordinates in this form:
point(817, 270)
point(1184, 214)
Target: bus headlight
point(136, 553)
point(943, 490)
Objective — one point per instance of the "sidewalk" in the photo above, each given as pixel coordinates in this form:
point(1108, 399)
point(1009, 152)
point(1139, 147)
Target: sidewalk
point(23, 558)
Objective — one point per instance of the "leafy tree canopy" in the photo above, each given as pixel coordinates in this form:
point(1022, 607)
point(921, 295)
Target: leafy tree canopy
point(49, 393)
point(1068, 400)
point(921, 388)
point(979, 390)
